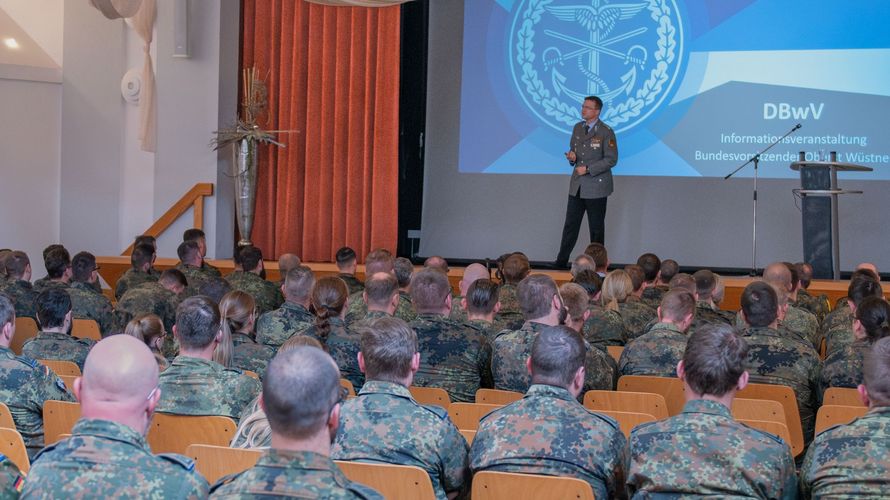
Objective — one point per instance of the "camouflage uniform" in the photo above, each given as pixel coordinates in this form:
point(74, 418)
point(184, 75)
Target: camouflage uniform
point(405, 310)
point(849, 460)
point(776, 359)
point(275, 327)
point(816, 305)
point(358, 309)
point(547, 432)
point(342, 344)
point(369, 317)
point(147, 298)
point(195, 386)
point(46, 283)
point(195, 276)
point(266, 294)
point(249, 355)
point(838, 338)
point(24, 386)
point(843, 367)
point(23, 296)
point(130, 279)
point(510, 314)
point(107, 459)
point(707, 314)
point(635, 315)
point(604, 327)
point(352, 283)
point(656, 353)
point(786, 332)
point(291, 474)
point(512, 348)
point(11, 479)
point(458, 313)
point(704, 452)
point(380, 425)
point(803, 323)
point(58, 346)
point(652, 295)
point(840, 317)
point(453, 356)
point(487, 329)
point(87, 303)
point(210, 270)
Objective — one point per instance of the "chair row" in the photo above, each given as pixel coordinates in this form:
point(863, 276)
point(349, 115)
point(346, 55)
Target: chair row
point(26, 328)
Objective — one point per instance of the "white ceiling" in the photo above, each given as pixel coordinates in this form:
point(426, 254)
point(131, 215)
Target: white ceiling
point(37, 27)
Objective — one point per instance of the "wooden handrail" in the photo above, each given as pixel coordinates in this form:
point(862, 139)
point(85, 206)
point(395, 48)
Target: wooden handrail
point(194, 198)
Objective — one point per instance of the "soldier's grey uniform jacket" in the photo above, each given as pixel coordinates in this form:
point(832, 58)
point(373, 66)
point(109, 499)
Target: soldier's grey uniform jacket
point(598, 151)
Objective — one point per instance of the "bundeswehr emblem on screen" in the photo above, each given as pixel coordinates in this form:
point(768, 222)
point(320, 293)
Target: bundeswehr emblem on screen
point(629, 54)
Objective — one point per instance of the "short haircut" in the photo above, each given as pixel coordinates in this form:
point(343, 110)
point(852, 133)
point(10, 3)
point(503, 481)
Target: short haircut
point(142, 254)
point(705, 282)
point(378, 261)
point(301, 387)
point(876, 372)
point(298, 283)
point(287, 262)
point(82, 266)
point(599, 254)
point(251, 257)
point(864, 271)
point(215, 289)
point(677, 304)
point(380, 288)
point(436, 262)
point(683, 281)
point(595, 100)
point(637, 275)
point(53, 304)
point(7, 310)
point(862, 287)
point(197, 322)
point(535, 294)
point(193, 234)
point(50, 248)
point(575, 299)
point(482, 296)
point(669, 269)
point(429, 287)
point(760, 304)
point(874, 315)
point(714, 359)
point(795, 275)
point(172, 276)
point(56, 261)
point(146, 239)
point(345, 256)
point(556, 355)
point(583, 262)
point(651, 264)
point(187, 251)
point(589, 281)
point(805, 272)
point(404, 270)
point(387, 345)
point(16, 263)
point(516, 268)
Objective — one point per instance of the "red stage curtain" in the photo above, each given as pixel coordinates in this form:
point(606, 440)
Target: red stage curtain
point(333, 77)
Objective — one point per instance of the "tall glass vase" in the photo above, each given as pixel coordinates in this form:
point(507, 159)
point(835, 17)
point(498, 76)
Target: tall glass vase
point(245, 165)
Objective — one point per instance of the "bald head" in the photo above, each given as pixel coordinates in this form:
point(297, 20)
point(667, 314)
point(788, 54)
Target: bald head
point(119, 375)
point(287, 262)
point(472, 273)
point(778, 274)
point(436, 262)
point(870, 267)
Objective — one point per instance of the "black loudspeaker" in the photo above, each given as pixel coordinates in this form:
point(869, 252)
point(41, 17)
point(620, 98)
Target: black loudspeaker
point(816, 212)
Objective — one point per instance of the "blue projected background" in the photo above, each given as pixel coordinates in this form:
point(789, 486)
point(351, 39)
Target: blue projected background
point(691, 88)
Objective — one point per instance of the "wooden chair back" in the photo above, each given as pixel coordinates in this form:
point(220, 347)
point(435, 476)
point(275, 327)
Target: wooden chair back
point(468, 435)
point(784, 395)
point(86, 329)
point(671, 388)
point(174, 433)
point(394, 482)
point(497, 396)
point(637, 402)
point(467, 415)
point(758, 409)
point(615, 351)
point(69, 381)
point(59, 418)
point(60, 368)
point(831, 415)
point(215, 462)
point(772, 427)
point(348, 385)
point(6, 417)
point(841, 396)
point(489, 485)
point(430, 396)
point(13, 446)
point(25, 328)
point(627, 420)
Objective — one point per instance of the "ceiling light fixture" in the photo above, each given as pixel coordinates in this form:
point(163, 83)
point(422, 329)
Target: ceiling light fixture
point(11, 43)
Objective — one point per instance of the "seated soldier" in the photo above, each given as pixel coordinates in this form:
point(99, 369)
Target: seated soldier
point(216, 288)
point(796, 319)
point(293, 317)
point(481, 305)
point(515, 269)
point(453, 356)
point(266, 294)
point(141, 265)
point(403, 270)
point(25, 384)
point(379, 261)
point(286, 262)
point(347, 263)
point(576, 301)
point(600, 256)
point(54, 340)
point(329, 298)
point(582, 262)
point(380, 295)
point(153, 297)
point(706, 311)
point(652, 294)
point(547, 431)
point(472, 273)
point(838, 325)
point(194, 384)
point(604, 327)
point(238, 311)
point(703, 451)
point(191, 265)
point(301, 399)
point(18, 285)
point(776, 358)
point(149, 329)
point(86, 301)
point(107, 454)
point(659, 350)
point(840, 315)
point(198, 237)
point(57, 262)
point(850, 460)
point(816, 305)
point(373, 424)
point(843, 366)
point(618, 295)
point(542, 307)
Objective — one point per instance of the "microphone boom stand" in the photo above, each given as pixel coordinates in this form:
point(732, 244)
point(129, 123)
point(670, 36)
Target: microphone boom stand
point(756, 160)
